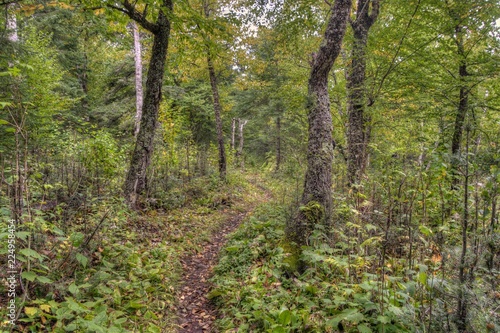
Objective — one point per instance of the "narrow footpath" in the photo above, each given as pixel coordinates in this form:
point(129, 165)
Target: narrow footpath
point(195, 312)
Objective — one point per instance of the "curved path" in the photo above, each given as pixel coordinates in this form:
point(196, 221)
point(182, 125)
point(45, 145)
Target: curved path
point(195, 312)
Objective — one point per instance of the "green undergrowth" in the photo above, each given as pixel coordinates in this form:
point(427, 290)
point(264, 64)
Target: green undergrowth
point(338, 292)
point(114, 270)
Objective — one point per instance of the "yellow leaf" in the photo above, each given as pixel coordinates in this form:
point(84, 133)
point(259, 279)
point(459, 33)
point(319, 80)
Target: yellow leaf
point(30, 311)
point(45, 307)
point(99, 11)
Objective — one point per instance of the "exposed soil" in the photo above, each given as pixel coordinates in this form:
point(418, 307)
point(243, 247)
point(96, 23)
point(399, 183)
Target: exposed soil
point(196, 313)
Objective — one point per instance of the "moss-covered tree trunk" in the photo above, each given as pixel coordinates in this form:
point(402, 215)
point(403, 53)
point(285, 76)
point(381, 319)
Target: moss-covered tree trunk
point(218, 120)
point(136, 177)
point(316, 198)
point(216, 101)
point(463, 105)
point(358, 132)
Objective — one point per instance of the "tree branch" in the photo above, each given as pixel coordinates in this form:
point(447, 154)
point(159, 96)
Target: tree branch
point(130, 11)
point(398, 49)
point(374, 11)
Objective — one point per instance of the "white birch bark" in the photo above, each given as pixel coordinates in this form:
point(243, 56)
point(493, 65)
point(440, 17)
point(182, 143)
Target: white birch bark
point(138, 77)
point(11, 23)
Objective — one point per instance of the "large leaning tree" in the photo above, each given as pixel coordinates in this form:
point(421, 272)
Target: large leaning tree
point(317, 197)
point(159, 27)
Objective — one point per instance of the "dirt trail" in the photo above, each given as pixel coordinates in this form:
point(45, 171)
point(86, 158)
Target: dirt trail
point(195, 312)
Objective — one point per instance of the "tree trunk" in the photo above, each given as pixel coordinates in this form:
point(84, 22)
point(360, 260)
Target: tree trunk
point(218, 120)
point(358, 132)
point(456, 140)
point(138, 76)
point(239, 152)
point(278, 143)
point(463, 102)
point(216, 101)
point(462, 301)
point(316, 198)
point(83, 79)
point(233, 130)
point(11, 24)
point(136, 177)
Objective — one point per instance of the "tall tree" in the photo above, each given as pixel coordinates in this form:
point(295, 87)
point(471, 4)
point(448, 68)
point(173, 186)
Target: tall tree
point(216, 100)
point(136, 176)
point(318, 180)
point(358, 133)
point(459, 14)
point(11, 24)
point(138, 76)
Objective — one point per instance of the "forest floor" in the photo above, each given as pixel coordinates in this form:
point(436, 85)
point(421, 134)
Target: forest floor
point(196, 314)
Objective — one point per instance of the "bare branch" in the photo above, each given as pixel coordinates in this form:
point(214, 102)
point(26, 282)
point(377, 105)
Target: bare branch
point(398, 49)
point(130, 11)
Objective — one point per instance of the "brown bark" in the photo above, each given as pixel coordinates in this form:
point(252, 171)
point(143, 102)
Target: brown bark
point(358, 133)
point(463, 102)
point(462, 301)
point(316, 198)
point(218, 119)
point(456, 141)
point(217, 106)
point(136, 177)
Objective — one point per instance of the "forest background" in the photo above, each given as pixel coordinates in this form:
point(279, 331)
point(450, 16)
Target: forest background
point(384, 217)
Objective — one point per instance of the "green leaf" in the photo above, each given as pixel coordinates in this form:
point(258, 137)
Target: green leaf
point(117, 297)
point(22, 235)
point(30, 311)
point(363, 328)
point(372, 240)
point(285, 317)
point(355, 317)
point(135, 305)
point(44, 279)
point(278, 329)
point(70, 327)
point(31, 254)
point(232, 248)
point(422, 278)
point(83, 260)
point(75, 306)
point(76, 239)
point(425, 230)
point(214, 293)
point(28, 275)
point(154, 329)
point(333, 323)
point(73, 289)
point(150, 315)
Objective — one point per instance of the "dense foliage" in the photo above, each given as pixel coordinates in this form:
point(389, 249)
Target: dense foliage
point(412, 238)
